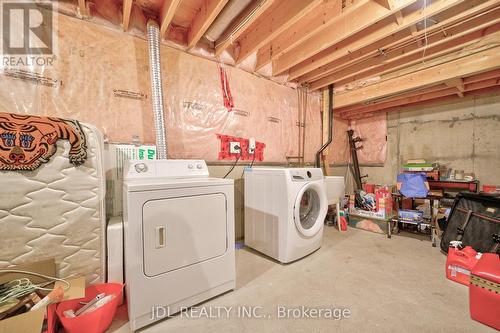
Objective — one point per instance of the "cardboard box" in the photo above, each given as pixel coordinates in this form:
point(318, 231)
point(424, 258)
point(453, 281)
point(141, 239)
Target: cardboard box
point(32, 322)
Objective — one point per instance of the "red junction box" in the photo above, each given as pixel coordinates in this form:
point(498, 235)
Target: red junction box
point(484, 291)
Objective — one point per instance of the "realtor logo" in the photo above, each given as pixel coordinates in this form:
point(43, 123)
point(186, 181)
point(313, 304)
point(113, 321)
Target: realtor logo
point(28, 32)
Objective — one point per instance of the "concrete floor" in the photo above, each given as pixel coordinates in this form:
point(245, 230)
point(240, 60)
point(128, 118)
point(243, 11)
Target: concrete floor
point(389, 285)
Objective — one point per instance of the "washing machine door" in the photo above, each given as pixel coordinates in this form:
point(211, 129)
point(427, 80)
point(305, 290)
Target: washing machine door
point(309, 210)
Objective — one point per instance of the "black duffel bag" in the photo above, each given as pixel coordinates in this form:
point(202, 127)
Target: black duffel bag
point(475, 221)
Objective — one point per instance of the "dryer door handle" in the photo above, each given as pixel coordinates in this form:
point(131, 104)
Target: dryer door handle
point(161, 236)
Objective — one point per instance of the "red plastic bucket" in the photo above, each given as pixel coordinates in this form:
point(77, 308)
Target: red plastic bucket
point(96, 321)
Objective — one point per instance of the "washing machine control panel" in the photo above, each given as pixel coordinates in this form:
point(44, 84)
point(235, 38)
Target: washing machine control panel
point(305, 174)
point(140, 169)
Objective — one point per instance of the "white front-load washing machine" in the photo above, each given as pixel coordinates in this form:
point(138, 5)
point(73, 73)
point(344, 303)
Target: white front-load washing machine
point(285, 209)
point(178, 237)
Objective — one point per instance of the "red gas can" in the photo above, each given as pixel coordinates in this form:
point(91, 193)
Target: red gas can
point(484, 291)
point(460, 262)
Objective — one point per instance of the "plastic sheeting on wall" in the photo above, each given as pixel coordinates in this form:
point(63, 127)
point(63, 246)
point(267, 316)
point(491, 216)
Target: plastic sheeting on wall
point(372, 130)
point(101, 77)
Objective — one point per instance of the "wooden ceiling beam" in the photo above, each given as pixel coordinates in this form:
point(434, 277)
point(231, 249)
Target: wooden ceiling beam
point(408, 101)
point(373, 39)
point(376, 105)
point(311, 23)
point(278, 18)
point(456, 38)
point(127, 10)
point(244, 21)
point(479, 92)
point(203, 19)
point(167, 13)
point(349, 23)
point(474, 63)
point(353, 55)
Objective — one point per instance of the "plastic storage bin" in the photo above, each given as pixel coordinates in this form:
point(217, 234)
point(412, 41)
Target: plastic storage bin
point(96, 321)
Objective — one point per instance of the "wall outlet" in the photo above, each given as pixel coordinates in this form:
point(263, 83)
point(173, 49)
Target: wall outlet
point(251, 145)
point(234, 147)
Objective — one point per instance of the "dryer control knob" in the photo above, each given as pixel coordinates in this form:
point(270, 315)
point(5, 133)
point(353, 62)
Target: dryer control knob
point(141, 167)
point(190, 166)
point(199, 166)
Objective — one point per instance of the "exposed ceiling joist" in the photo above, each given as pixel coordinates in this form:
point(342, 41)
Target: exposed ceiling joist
point(313, 22)
point(245, 20)
point(399, 38)
point(438, 44)
point(383, 102)
point(280, 17)
point(389, 4)
point(472, 64)
point(203, 19)
point(127, 10)
point(167, 14)
point(374, 39)
point(351, 22)
point(436, 94)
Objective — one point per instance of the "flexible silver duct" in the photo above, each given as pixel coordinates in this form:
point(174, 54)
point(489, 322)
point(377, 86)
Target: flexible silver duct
point(156, 88)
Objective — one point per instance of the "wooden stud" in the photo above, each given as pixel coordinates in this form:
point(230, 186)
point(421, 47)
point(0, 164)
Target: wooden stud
point(374, 38)
point(127, 10)
point(167, 14)
point(471, 64)
point(399, 18)
point(203, 19)
point(82, 7)
point(244, 21)
point(350, 22)
point(278, 18)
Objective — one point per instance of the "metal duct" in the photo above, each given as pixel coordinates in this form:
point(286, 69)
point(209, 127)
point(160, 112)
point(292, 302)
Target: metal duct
point(232, 9)
point(153, 35)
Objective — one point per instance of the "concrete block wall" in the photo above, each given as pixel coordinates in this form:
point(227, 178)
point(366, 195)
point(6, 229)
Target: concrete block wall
point(462, 134)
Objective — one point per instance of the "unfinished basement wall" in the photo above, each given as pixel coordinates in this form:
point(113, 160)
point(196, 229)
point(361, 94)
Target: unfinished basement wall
point(101, 76)
point(462, 134)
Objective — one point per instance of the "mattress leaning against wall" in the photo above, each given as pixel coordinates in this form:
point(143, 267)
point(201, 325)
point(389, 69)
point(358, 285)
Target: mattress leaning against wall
point(57, 211)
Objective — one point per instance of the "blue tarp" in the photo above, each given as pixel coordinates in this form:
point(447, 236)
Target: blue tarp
point(413, 185)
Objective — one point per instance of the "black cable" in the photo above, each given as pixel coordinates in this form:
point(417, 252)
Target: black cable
point(232, 167)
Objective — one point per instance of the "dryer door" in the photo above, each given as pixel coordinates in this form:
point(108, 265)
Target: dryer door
point(183, 231)
point(309, 211)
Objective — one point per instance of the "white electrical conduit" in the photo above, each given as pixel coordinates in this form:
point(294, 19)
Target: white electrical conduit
point(153, 35)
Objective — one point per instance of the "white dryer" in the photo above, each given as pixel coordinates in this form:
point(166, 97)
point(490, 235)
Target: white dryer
point(178, 237)
point(285, 209)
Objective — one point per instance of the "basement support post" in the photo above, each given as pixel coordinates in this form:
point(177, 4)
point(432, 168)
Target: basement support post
point(330, 126)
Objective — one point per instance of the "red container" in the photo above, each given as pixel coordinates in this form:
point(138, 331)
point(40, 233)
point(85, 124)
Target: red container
point(489, 188)
point(369, 188)
point(484, 291)
point(96, 321)
point(459, 264)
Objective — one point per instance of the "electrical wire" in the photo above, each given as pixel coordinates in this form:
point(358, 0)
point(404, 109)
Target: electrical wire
point(24, 286)
point(232, 167)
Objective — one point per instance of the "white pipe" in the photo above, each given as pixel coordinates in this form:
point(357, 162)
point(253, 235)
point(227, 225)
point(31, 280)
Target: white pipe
point(153, 35)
